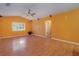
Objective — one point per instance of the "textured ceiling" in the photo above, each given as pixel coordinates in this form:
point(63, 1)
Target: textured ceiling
point(41, 9)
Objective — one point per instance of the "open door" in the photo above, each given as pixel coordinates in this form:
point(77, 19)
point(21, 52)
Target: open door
point(48, 28)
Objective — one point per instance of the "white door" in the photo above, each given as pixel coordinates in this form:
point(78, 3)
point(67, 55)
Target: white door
point(48, 28)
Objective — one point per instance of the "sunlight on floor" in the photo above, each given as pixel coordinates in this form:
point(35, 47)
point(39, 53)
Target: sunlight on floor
point(19, 44)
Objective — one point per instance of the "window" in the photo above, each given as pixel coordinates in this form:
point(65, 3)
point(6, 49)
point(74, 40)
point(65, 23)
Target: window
point(17, 26)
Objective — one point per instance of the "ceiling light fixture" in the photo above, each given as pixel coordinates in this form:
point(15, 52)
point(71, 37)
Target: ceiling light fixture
point(30, 13)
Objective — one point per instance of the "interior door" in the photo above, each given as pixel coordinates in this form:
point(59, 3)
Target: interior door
point(48, 28)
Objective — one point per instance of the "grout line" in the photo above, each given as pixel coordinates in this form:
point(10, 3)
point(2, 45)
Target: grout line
point(70, 42)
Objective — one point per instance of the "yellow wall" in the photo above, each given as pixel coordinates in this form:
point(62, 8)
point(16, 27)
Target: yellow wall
point(0, 27)
point(39, 25)
point(65, 25)
point(7, 26)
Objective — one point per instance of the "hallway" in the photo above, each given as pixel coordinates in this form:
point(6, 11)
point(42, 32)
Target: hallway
point(34, 45)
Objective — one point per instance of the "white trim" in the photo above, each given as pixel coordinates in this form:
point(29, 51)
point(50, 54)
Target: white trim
point(40, 35)
point(10, 36)
point(66, 41)
point(70, 42)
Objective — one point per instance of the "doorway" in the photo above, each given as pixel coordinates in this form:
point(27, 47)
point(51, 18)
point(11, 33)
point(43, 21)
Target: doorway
point(48, 28)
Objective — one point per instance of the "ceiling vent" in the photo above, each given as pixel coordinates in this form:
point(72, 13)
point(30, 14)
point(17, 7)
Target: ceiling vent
point(8, 4)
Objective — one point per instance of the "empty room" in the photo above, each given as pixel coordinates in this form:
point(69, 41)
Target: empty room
point(39, 29)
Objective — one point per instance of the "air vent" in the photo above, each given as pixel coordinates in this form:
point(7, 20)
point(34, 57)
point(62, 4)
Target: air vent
point(8, 4)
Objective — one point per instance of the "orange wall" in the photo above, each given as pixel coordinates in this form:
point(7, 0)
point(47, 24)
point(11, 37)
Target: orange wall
point(39, 25)
point(65, 25)
point(7, 25)
point(0, 27)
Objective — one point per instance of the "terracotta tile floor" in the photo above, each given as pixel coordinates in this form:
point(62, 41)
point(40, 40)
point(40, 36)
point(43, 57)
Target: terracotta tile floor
point(29, 45)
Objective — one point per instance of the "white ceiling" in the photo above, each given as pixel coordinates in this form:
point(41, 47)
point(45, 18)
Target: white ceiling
point(41, 9)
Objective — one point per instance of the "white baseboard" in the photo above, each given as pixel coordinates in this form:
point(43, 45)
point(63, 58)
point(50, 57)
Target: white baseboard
point(10, 36)
point(40, 35)
point(66, 41)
